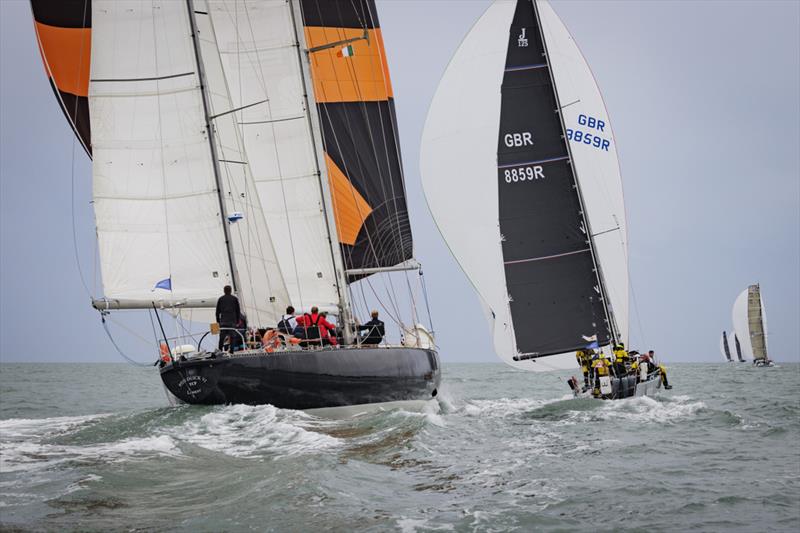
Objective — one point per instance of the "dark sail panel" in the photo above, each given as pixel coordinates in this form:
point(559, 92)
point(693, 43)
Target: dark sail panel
point(64, 33)
point(555, 293)
point(725, 345)
point(738, 348)
point(354, 97)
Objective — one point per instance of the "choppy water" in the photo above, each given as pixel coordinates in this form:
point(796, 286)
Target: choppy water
point(93, 447)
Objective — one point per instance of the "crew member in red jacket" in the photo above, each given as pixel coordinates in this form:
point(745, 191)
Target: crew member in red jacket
point(315, 329)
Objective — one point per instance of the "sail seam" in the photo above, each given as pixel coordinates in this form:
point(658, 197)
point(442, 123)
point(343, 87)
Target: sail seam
point(154, 78)
point(550, 160)
point(546, 257)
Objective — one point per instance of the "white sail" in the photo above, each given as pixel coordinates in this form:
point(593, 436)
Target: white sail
point(156, 203)
point(261, 65)
point(155, 199)
point(594, 154)
point(459, 157)
point(740, 323)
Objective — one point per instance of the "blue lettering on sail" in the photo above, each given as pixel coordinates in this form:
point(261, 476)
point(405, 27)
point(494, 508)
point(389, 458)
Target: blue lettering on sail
point(590, 138)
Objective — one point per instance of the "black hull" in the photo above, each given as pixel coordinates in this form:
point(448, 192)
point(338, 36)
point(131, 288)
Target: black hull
point(308, 379)
point(626, 387)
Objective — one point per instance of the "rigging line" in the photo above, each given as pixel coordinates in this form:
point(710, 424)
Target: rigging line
point(129, 330)
point(253, 235)
point(368, 125)
point(367, 231)
point(119, 350)
point(261, 77)
point(72, 167)
point(427, 304)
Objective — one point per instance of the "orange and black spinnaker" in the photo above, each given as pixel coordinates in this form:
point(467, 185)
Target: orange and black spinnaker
point(359, 127)
point(64, 32)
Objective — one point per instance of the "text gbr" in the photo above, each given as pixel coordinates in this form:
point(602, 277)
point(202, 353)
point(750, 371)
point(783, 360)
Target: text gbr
point(521, 173)
point(592, 139)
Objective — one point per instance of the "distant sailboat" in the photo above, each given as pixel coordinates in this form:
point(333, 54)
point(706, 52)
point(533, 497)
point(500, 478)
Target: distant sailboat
point(724, 348)
point(738, 348)
point(520, 172)
point(750, 321)
point(251, 144)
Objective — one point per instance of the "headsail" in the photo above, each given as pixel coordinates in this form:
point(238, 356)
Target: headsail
point(355, 104)
point(64, 33)
point(537, 275)
point(724, 348)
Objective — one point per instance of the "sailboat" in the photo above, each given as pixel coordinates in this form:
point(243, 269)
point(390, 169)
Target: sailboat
point(724, 348)
point(520, 172)
point(750, 321)
point(250, 144)
point(738, 348)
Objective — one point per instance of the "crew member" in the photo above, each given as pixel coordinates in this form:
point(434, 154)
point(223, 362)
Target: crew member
point(288, 322)
point(584, 358)
point(661, 370)
point(374, 328)
point(602, 367)
point(327, 330)
point(310, 327)
point(620, 358)
point(228, 315)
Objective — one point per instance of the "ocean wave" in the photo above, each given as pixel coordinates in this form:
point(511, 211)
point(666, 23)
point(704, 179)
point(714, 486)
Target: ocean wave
point(249, 431)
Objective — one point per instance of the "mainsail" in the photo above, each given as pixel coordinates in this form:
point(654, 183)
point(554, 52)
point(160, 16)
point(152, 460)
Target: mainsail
point(724, 348)
point(750, 322)
point(230, 141)
point(545, 241)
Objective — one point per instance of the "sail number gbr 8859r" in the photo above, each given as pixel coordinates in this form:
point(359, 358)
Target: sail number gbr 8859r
point(523, 173)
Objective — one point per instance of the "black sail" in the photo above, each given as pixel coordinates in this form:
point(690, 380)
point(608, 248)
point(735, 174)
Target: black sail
point(738, 348)
point(725, 345)
point(359, 128)
point(555, 290)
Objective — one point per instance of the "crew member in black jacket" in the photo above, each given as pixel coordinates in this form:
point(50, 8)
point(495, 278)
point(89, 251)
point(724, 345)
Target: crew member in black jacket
point(375, 330)
point(228, 316)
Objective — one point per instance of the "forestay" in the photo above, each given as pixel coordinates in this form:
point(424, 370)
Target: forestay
point(471, 198)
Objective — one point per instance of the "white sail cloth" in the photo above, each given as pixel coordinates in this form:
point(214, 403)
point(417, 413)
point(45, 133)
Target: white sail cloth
point(258, 47)
point(159, 223)
point(458, 159)
point(740, 324)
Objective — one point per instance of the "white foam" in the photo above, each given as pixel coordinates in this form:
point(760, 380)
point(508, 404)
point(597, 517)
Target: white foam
point(645, 409)
point(27, 455)
point(244, 431)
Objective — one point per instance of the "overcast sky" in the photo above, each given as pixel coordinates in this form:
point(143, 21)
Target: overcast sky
point(704, 98)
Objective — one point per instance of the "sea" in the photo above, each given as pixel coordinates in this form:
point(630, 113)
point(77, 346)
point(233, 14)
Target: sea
point(95, 447)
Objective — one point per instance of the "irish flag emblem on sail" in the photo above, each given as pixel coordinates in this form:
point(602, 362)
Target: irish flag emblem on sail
point(347, 51)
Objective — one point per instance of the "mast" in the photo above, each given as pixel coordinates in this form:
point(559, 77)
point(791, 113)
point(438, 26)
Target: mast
point(345, 314)
point(590, 236)
point(212, 146)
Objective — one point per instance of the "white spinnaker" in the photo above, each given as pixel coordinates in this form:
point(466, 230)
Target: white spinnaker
point(458, 159)
point(155, 199)
point(597, 167)
point(740, 323)
point(258, 49)
point(261, 290)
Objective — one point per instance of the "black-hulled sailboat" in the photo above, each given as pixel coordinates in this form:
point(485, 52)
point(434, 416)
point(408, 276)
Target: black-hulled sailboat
point(252, 144)
point(521, 175)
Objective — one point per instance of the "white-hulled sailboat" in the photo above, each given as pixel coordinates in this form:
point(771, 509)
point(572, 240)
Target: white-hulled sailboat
point(750, 322)
point(520, 172)
point(249, 143)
